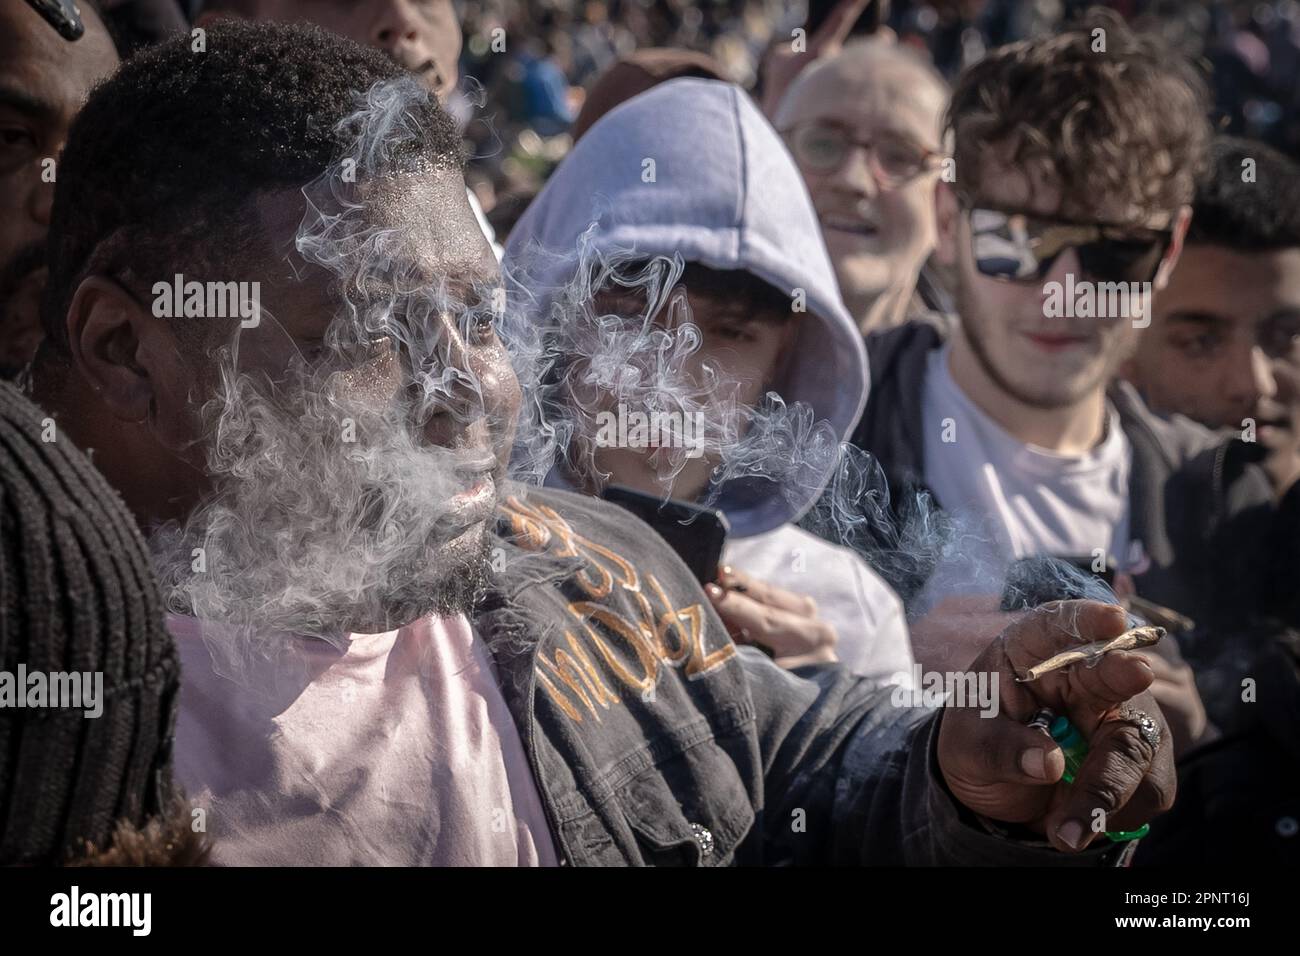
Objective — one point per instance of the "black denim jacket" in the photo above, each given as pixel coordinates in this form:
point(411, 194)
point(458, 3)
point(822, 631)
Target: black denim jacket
point(655, 740)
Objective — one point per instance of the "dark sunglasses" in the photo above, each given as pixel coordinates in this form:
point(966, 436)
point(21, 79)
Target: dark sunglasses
point(1020, 247)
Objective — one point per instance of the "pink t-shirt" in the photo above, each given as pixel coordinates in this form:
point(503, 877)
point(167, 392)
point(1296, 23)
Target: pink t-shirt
point(392, 749)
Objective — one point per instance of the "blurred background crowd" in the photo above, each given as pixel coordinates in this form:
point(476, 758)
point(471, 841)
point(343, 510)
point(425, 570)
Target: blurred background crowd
point(557, 50)
point(528, 67)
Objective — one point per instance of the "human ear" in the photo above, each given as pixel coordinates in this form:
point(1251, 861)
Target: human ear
point(106, 328)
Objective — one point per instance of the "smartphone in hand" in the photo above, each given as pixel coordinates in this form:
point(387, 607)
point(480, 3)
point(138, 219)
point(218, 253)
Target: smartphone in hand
point(696, 533)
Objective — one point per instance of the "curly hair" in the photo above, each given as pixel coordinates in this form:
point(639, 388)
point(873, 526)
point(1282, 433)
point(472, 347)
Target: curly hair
point(1114, 115)
point(163, 164)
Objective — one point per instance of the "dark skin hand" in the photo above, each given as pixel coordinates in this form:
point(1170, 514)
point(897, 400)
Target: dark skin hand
point(1007, 771)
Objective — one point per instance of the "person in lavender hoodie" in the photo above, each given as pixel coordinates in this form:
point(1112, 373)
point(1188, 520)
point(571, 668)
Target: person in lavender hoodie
point(678, 240)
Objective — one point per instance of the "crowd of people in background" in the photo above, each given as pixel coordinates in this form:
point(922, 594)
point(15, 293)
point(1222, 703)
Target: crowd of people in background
point(859, 207)
point(536, 91)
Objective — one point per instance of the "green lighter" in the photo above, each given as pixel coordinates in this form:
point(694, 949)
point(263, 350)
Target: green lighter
point(1075, 748)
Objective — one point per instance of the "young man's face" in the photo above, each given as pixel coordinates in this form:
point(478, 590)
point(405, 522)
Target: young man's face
point(422, 35)
point(43, 81)
point(1026, 347)
point(1225, 341)
point(737, 361)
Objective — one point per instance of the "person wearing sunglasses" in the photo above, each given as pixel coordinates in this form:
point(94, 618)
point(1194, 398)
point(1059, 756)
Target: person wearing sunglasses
point(1074, 174)
point(864, 128)
point(1013, 245)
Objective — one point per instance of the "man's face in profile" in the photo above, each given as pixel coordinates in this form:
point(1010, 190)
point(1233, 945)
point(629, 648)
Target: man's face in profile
point(43, 81)
point(356, 438)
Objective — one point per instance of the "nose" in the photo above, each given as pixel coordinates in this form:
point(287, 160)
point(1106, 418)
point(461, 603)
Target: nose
point(1265, 382)
point(449, 392)
point(1067, 263)
point(42, 199)
point(856, 174)
point(32, 201)
point(395, 26)
point(1249, 378)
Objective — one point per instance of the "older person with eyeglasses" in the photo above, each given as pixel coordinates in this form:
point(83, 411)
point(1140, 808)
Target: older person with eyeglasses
point(864, 125)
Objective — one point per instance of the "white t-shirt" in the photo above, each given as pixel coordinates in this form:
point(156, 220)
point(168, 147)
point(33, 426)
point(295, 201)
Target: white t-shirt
point(392, 749)
point(1011, 499)
point(867, 615)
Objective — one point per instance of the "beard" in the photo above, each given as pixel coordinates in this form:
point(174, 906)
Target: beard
point(1061, 390)
point(328, 516)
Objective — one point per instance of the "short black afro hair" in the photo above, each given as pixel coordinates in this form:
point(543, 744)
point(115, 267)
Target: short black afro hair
point(163, 162)
point(1256, 216)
